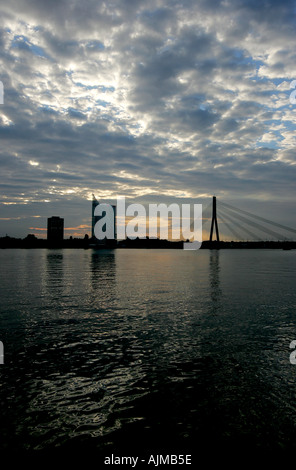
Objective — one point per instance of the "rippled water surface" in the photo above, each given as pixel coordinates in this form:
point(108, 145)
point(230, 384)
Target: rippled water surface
point(147, 350)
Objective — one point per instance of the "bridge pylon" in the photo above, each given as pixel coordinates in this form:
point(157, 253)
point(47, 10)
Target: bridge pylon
point(214, 221)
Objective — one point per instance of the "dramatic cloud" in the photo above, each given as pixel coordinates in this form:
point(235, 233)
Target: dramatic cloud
point(153, 100)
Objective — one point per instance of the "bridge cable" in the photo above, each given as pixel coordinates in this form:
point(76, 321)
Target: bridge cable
point(230, 218)
point(262, 219)
point(260, 227)
point(231, 229)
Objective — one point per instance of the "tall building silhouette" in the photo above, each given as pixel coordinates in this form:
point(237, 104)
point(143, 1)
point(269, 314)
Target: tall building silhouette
point(95, 218)
point(55, 229)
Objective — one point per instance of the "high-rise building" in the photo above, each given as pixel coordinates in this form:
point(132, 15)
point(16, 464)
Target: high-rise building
point(55, 229)
point(95, 218)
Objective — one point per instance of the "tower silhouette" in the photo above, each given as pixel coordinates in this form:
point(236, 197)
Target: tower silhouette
point(96, 218)
point(55, 229)
point(214, 221)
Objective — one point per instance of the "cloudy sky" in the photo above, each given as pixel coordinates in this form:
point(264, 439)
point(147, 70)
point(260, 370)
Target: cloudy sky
point(153, 100)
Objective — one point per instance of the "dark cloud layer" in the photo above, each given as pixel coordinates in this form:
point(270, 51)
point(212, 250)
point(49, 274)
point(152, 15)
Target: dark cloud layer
point(169, 100)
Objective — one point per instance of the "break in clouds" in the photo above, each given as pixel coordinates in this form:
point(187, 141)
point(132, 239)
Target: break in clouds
point(158, 100)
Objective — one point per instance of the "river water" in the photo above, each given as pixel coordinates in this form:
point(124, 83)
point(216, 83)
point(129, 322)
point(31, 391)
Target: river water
point(134, 352)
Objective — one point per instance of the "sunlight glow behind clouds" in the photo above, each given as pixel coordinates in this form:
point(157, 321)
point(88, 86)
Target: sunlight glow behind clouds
point(176, 99)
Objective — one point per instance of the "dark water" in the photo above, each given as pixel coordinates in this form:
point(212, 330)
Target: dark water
point(147, 351)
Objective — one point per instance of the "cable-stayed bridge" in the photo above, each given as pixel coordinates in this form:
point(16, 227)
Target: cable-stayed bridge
point(223, 222)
